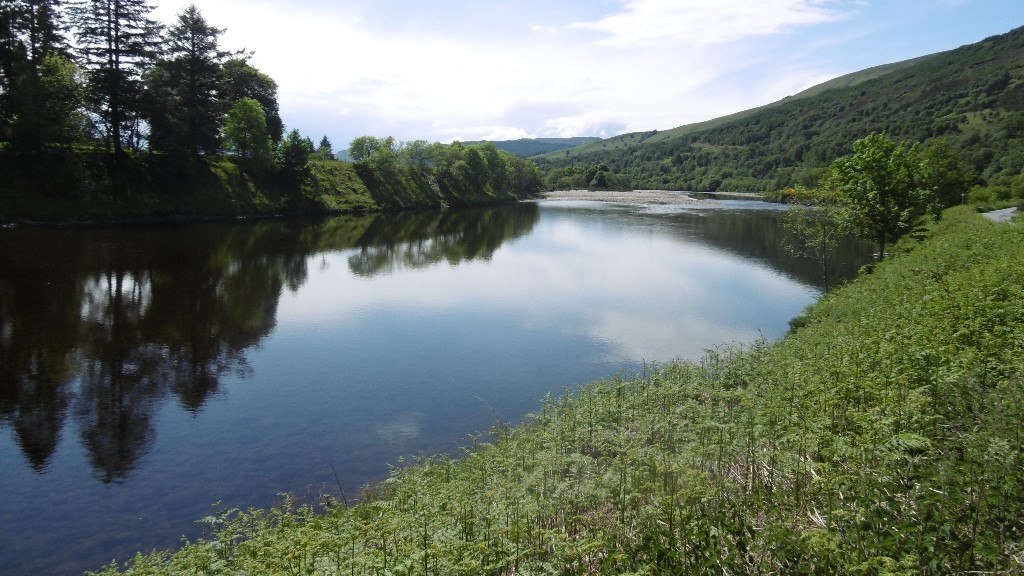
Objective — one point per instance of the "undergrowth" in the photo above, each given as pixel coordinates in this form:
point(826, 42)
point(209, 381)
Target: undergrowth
point(882, 437)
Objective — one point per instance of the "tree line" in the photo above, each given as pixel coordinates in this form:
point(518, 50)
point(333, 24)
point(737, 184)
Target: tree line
point(102, 73)
point(400, 174)
point(105, 113)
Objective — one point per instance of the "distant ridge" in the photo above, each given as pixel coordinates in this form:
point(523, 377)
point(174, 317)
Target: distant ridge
point(526, 147)
point(973, 96)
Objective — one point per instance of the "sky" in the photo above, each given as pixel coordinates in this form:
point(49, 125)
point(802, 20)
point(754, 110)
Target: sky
point(444, 70)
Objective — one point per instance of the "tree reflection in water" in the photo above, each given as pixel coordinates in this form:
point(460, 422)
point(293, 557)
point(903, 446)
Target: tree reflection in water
point(111, 323)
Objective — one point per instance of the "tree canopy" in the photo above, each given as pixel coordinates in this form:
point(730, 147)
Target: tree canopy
point(883, 186)
point(122, 81)
point(441, 174)
point(245, 132)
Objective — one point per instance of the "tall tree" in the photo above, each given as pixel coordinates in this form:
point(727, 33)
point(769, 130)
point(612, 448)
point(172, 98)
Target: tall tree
point(30, 30)
point(245, 132)
point(187, 78)
point(242, 80)
point(117, 42)
point(293, 155)
point(45, 30)
point(325, 150)
point(882, 185)
point(49, 106)
point(944, 172)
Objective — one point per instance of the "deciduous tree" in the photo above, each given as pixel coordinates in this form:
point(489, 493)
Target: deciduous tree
point(245, 132)
point(242, 80)
point(882, 185)
point(944, 172)
point(817, 227)
point(49, 106)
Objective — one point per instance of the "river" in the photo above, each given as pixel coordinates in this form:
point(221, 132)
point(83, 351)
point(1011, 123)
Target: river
point(147, 373)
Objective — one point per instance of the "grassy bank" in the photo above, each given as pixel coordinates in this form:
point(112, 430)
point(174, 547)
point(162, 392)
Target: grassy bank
point(92, 186)
point(882, 437)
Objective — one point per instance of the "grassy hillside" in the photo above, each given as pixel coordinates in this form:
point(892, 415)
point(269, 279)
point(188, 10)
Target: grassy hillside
point(882, 437)
point(974, 96)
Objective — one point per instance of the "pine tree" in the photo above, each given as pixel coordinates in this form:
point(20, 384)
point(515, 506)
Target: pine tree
point(189, 78)
point(117, 42)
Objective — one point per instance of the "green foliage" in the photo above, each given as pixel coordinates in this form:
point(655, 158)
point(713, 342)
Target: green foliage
point(818, 226)
point(245, 132)
point(585, 177)
point(944, 172)
point(527, 147)
point(421, 174)
point(293, 154)
point(972, 96)
point(116, 41)
point(884, 437)
point(883, 187)
point(47, 107)
point(335, 187)
point(185, 110)
point(239, 79)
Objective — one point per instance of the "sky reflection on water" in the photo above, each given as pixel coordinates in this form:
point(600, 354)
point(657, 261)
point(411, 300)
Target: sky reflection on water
point(255, 359)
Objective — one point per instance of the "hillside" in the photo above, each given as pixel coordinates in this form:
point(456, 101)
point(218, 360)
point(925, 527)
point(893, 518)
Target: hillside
point(974, 96)
point(526, 147)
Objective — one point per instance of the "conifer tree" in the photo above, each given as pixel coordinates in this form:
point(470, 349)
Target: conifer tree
point(190, 112)
point(117, 42)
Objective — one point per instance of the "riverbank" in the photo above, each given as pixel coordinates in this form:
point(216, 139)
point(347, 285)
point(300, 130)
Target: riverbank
point(882, 436)
point(92, 186)
point(648, 197)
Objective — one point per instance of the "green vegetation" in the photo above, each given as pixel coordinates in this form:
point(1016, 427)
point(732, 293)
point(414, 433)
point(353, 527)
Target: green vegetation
point(417, 173)
point(818, 226)
point(526, 147)
point(159, 122)
point(881, 437)
point(882, 185)
point(973, 96)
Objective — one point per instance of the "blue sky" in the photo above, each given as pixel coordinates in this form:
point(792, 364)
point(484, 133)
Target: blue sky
point(502, 69)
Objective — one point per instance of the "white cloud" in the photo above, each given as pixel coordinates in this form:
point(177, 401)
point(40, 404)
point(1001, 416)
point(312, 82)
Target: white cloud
point(704, 22)
point(464, 69)
point(339, 74)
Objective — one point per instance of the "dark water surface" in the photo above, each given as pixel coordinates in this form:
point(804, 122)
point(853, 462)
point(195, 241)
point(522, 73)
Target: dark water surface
point(147, 373)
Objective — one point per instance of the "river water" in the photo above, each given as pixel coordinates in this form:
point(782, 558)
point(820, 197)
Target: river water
point(147, 373)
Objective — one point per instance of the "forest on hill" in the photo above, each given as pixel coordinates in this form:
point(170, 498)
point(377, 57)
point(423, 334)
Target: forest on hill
point(972, 96)
point(526, 147)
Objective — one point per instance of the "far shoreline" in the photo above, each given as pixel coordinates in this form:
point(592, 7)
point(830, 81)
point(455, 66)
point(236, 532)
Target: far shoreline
point(662, 197)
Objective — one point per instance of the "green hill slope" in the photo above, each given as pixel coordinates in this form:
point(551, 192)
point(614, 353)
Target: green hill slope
point(974, 96)
point(527, 147)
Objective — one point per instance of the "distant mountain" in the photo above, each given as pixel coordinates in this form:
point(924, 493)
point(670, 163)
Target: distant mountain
point(526, 147)
point(973, 96)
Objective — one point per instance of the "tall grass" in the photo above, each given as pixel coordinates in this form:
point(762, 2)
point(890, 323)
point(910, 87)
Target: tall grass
point(882, 437)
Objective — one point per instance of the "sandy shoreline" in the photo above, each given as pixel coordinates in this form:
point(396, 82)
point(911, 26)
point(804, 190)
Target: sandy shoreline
point(635, 196)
